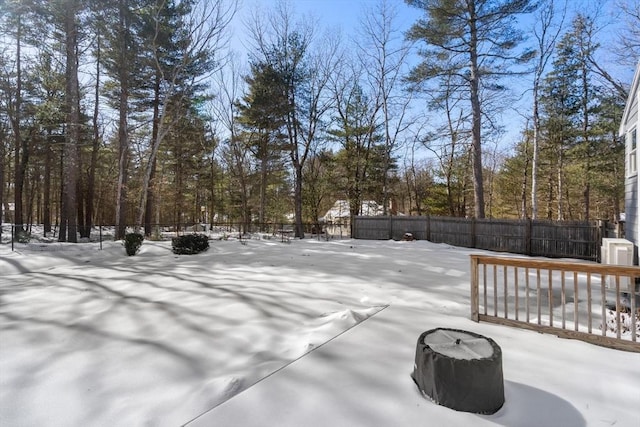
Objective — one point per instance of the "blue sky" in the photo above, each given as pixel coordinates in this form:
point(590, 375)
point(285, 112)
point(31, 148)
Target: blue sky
point(345, 15)
point(336, 12)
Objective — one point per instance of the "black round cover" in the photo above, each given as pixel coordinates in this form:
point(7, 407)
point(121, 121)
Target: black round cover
point(471, 385)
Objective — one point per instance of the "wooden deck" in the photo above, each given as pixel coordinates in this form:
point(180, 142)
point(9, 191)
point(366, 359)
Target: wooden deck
point(578, 300)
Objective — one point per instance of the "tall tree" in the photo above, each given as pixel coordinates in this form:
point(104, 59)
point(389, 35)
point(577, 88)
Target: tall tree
point(560, 102)
point(235, 153)
point(320, 185)
point(629, 48)
point(480, 40)
point(608, 162)
point(181, 59)
point(262, 113)
point(96, 138)
point(546, 32)
point(383, 55)
point(13, 23)
point(361, 155)
point(418, 180)
point(69, 210)
point(573, 75)
point(51, 117)
point(121, 62)
point(305, 73)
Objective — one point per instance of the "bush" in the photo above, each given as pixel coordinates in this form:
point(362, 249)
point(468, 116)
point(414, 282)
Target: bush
point(132, 243)
point(190, 244)
point(22, 236)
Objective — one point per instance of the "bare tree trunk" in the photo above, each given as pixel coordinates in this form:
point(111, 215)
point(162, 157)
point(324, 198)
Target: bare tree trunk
point(70, 150)
point(383, 62)
point(535, 155)
point(91, 181)
point(123, 132)
point(586, 140)
point(449, 171)
point(560, 186)
point(150, 202)
point(298, 201)
point(48, 160)
point(523, 199)
point(206, 28)
point(550, 182)
point(21, 147)
point(264, 171)
point(476, 128)
point(546, 45)
point(3, 208)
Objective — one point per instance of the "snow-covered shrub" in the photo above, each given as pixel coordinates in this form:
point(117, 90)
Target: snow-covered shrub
point(132, 243)
point(22, 236)
point(625, 322)
point(190, 244)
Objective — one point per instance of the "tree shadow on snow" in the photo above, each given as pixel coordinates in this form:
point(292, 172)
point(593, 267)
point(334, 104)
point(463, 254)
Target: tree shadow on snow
point(527, 406)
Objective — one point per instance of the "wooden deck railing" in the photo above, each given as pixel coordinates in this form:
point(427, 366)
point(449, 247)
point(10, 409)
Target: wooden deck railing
point(579, 300)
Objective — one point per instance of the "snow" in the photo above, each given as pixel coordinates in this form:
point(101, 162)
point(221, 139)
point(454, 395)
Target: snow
point(340, 210)
point(458, 344)
point(265, 333)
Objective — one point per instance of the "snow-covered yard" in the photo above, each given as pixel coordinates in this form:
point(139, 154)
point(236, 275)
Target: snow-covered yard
point(310, 333)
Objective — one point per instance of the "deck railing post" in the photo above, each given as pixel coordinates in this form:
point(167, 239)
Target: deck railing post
point(612, 326)
point(475, 297)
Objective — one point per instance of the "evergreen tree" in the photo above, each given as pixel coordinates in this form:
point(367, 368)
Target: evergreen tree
point(50, 114)
point(362, 157)
point(560, 108)
point(185, 38)
point(569, 99)
point(476, 39)
point(15, 25)
point(304, 71)
point(122, 62)
point(262, 113)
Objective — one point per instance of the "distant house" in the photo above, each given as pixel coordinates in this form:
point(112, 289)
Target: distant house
point(337, 220)
point(630, 131)
point(339, 212)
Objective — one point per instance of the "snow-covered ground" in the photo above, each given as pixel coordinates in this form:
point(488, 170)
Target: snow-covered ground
point(269, 334)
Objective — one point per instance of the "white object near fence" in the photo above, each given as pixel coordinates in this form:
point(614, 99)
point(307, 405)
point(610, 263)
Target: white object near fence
point(617, 252)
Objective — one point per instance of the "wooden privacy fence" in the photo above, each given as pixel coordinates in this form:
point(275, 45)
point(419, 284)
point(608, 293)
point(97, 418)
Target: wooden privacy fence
point(556, 239)
point(590, 302)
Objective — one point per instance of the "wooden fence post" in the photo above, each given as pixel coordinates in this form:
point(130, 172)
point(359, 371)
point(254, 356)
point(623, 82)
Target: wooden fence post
point(354, 228)
point(602, 232)
point(390, 227)
point(429, 227)
point(473, 232)
point(527, 237)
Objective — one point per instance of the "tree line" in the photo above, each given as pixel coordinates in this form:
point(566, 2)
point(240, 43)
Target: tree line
point(139, 112)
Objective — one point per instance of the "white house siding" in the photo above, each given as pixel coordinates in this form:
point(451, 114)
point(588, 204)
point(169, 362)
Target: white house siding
point(630, 131)
point(631, 209)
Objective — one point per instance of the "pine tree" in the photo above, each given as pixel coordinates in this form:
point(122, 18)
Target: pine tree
point(476, 39)
point(304, 71)
point(362, 157)
point(122, 61)
point(183, 39)
point(261, 113)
